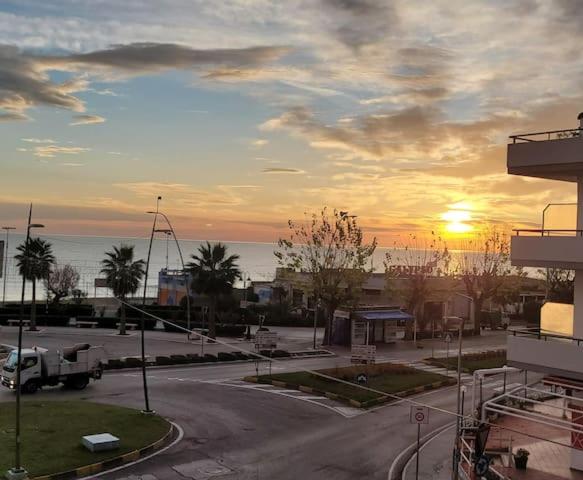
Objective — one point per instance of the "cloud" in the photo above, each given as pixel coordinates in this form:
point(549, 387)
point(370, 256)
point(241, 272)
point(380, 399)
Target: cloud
point(157, 57)
point(260, 142)
point(283, 171)
point(71, 164)
point(25, 81)
point(37, 140)
point(87, 120)
point(359, 23)
point(51, 151)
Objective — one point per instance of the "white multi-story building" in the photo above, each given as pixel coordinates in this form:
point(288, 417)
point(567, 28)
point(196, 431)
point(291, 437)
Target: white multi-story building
point(556, 349)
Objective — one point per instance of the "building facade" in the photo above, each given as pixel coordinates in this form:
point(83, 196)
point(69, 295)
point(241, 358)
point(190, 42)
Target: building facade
point(555, 350)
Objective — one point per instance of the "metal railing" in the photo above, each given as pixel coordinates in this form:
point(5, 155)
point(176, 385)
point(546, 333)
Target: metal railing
point(543, 335)
point(549, 232)
point(548, 135)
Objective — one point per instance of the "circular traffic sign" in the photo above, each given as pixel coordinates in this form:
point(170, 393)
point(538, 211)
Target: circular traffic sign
point(419, 416)
point(482, 465)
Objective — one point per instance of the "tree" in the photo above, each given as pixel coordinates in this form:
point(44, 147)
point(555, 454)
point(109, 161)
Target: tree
point(61, 282)
point(413, 264)
point(560, 285)
point(34, 263)
point(213, 274)
point(123, 275)
point(331, 249)
point(483, 267)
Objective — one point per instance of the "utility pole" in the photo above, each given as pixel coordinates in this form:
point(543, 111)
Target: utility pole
point(6, 264)
point(17, 472)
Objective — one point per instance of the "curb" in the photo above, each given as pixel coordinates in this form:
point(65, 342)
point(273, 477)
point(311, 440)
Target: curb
point(351, 401)
point(399, 464)
point(112, 462)
point(206, 364)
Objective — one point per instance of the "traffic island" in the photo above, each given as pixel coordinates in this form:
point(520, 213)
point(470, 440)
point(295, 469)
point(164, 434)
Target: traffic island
point(394, 380)
point(471, 361)
point(52, 432)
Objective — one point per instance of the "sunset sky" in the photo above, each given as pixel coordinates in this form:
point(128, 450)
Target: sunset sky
point(245, 113)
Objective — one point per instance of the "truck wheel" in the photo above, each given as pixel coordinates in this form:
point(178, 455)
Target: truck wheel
point(30, 387)
point(80, 382)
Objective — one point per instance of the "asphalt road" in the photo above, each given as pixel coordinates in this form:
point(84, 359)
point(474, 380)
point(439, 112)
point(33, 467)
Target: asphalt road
point(257, 434)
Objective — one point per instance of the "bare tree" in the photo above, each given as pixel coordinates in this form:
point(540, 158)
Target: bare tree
point(61, 282)
point(331, 249)
point(408, 268)
point(483, 267)
point(560, 285)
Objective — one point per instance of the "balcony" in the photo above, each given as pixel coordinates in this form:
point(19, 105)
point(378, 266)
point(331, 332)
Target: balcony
point(548, 353)
point(549, 248)
point(556, 155)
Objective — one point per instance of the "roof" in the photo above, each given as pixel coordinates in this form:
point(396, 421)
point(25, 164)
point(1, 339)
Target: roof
point(383, 315)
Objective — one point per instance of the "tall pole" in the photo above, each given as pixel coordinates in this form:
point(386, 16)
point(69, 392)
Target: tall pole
point(5, 264)
point(459, 399)
point(316, 320)
point(18, 471)
point(417, 454)
point(143, 320)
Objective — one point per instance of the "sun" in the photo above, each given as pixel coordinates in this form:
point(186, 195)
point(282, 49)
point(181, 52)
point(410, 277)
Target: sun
point(457, 221)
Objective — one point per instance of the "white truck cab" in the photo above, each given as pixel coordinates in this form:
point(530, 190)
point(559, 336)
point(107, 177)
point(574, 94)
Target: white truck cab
point(73, 367)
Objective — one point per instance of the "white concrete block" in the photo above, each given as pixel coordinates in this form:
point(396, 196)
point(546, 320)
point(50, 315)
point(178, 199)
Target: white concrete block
point(100, 442)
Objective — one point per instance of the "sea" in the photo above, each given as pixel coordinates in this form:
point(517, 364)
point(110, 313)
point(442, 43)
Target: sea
point(256, 260)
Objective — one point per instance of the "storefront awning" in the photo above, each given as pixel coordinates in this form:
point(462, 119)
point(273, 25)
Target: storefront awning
point(383, 315)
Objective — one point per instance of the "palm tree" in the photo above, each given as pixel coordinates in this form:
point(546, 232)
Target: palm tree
point(34, 263)
point(213, 273)
point(123, 276)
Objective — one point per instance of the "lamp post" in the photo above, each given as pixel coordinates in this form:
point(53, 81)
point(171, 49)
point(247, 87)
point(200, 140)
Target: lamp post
point(316, 320)
point(147, 409)
point(17, 472)
point(156, 213)
point(6, 263)
point(459, 386)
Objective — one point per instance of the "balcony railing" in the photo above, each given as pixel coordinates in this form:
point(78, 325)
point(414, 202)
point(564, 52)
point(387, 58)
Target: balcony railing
point(545, 136)
point(548, 232)
point(544, 335)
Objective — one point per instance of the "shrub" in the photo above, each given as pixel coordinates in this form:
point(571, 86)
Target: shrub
point(193, 357)
point(115, 363)
point(241, 356)
point(280, 354)
point(178, 359)
point(163, 360)
point(132, 362)
point(209, 358)
point(226, 357)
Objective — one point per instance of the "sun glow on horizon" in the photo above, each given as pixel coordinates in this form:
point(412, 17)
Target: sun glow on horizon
point(457, 221)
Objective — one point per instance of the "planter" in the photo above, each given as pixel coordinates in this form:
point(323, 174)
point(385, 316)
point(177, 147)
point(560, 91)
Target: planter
point(520, 462)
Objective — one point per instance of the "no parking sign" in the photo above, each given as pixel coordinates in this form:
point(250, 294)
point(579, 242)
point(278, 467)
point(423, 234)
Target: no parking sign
point(419, 415)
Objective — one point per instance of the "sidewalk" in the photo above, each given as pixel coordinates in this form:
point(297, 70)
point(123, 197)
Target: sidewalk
point(434, 459)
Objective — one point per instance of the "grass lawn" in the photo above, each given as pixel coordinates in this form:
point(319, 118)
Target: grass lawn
point(387, 378)
point(52, 431)
point(472, 362)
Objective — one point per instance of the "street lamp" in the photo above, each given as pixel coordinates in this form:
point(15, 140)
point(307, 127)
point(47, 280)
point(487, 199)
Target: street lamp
point(156, 213)
point(17, 472)
point(459, 385)
point(6, 264)
point(147, 410)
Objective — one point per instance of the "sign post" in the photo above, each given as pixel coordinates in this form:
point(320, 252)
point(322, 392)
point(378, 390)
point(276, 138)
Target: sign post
point(447, 341)
point(419, 416)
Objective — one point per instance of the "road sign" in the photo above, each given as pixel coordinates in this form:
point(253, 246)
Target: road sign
point(363, 354)
point(419, 415)
point(361, 378)
point(482, 466)
point(265, 340)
